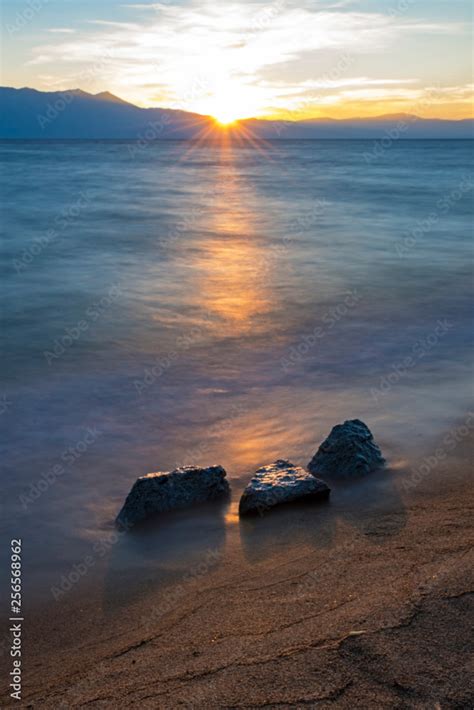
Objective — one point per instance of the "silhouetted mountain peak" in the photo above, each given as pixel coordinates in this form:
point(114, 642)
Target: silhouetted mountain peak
point(107, 96)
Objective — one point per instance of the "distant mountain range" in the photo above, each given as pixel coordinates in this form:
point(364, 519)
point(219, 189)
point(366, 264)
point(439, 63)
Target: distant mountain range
point(75, 114)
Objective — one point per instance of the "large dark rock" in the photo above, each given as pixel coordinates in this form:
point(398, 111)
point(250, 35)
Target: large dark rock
point(164, 491)
point(349, 450)
point(280, 482)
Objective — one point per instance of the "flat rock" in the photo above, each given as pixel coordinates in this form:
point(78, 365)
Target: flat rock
point(280, 482)
point(164, 491)
point(349, 451)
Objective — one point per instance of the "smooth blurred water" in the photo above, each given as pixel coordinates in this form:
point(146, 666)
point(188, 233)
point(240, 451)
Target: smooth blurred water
point(190, 303)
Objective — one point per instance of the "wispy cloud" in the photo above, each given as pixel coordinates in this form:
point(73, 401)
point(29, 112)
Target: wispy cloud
point(62, 30)
point(189, 54)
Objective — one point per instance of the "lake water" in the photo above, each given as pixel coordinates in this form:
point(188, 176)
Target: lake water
point(180, 303)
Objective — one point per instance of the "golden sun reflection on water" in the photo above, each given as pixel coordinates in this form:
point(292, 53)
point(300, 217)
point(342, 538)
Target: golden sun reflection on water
point(232, 265)
point(231, 288)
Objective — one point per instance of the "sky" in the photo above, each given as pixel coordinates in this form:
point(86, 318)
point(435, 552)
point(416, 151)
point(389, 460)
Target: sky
point(281, 59)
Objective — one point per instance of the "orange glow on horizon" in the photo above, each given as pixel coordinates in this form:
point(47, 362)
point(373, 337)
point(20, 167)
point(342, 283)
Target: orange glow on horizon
point(227, 109)
point(371, 109)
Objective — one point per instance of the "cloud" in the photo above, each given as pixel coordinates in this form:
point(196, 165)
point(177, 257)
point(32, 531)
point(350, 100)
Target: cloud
point(61, 30)
point(329, 83)
point(127, 26)
point(193, 52)
point(40, 59)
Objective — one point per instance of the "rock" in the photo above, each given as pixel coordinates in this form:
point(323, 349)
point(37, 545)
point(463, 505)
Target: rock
point(349, 450)
point(164, 491)
point(280, 482)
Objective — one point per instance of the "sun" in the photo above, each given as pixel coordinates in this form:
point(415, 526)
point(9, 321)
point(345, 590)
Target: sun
point(229, 102)
point(225, 118)
point(225, 113)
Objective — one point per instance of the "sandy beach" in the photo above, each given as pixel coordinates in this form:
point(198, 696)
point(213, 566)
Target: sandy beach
point(364, 601)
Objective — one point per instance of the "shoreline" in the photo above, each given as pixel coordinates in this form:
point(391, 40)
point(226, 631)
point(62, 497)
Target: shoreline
point(360, 602)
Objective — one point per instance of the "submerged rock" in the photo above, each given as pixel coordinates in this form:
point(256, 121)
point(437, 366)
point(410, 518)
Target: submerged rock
point(349, 450)
point(280, 482)
point(164, 491)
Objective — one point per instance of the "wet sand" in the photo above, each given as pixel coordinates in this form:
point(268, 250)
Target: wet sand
point(362, 602)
